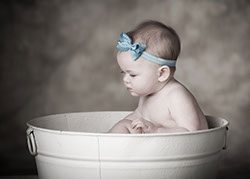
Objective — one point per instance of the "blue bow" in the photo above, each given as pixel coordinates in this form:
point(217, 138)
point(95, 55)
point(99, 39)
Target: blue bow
point(125, 44)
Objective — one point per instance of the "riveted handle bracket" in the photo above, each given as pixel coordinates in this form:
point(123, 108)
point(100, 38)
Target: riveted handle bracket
point(31, 141)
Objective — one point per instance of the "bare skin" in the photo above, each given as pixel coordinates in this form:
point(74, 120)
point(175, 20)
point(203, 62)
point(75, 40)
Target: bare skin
point(165, 105)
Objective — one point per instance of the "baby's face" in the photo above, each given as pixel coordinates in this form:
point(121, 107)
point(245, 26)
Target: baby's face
point(140, 76)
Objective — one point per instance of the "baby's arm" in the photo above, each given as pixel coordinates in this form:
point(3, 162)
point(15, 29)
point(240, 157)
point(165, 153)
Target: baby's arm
point(185, 111)
point(149, 127)
point(124, 126)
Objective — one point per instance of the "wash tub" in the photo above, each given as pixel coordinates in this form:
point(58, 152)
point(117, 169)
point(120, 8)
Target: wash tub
point(76, 146)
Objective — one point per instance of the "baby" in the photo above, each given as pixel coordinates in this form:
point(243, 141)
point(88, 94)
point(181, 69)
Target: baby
point(147, 57)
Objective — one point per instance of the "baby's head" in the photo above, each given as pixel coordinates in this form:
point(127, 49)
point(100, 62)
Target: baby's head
point(161, 41)
point(147, 56)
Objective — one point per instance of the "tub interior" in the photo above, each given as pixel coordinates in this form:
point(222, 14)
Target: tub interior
point(94, 122)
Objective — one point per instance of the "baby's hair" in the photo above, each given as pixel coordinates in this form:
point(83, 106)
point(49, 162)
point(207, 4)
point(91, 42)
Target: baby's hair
point(161, 40)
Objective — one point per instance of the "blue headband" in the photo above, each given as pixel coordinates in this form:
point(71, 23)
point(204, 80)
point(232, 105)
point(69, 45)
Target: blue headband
point(138, 50)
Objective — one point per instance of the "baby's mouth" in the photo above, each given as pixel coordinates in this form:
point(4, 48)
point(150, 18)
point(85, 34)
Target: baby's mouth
point(129, 89)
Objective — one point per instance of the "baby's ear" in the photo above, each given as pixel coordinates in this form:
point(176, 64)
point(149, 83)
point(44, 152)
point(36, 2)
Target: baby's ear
point(163, 73)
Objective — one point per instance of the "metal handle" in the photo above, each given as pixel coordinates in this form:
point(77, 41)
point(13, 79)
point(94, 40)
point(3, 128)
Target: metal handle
point(225, 142)
point(31, 142)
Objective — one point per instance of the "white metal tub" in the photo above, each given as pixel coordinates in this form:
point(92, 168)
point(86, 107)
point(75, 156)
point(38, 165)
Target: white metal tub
point(75, 146)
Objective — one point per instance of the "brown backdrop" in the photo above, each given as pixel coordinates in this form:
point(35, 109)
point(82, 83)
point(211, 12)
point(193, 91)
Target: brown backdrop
point(59, 56)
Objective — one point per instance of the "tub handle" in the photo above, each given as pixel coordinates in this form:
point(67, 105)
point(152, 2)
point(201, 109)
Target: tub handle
point(31, 141)
point(225, 142)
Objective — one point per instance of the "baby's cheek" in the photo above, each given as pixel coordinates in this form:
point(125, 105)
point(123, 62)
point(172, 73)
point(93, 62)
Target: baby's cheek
point(145, 88)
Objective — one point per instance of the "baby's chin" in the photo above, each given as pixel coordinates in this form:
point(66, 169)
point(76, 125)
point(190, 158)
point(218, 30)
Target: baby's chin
point(134, 94)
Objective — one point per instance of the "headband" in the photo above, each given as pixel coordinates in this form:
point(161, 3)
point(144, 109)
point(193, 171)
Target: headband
point(138, 50)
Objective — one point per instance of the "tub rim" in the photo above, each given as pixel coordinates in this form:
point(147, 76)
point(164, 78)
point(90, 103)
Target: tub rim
point(94, 134)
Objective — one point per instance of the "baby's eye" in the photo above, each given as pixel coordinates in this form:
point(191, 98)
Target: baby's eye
point(122, 72)
point(132, 75)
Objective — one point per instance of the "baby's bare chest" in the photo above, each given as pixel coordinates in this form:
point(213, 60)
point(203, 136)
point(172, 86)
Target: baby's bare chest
point(156, 110)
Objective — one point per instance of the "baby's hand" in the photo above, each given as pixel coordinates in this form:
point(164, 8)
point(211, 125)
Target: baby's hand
point(145, 125)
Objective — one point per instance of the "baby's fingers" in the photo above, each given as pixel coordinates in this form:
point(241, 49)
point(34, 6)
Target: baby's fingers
point(139, 126)
point(136, 124)
point(133, 123)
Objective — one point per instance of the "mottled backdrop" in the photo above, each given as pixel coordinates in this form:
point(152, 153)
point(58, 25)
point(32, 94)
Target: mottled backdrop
point(58, 56)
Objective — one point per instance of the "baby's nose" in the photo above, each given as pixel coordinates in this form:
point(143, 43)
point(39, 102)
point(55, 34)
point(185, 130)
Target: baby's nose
point(125, 79)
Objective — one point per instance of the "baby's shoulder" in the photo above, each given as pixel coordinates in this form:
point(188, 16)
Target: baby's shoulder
point(178, 91)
